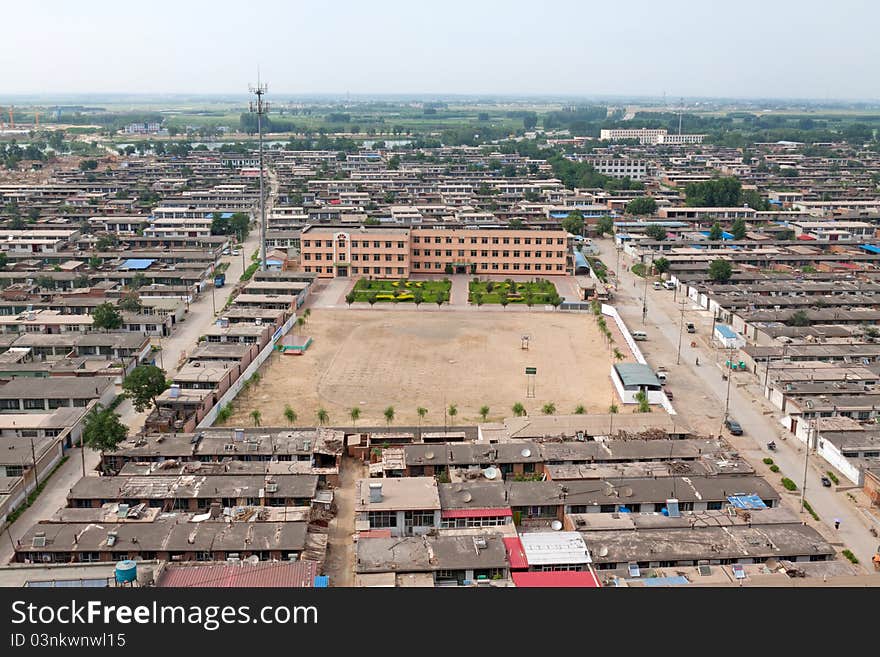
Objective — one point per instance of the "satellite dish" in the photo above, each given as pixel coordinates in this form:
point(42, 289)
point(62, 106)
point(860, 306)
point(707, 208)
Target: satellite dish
point(429, 455)
point(626, 491)
point(490, 473)
point(526, 452)
point(603, 551)
point(466, 497)
point(556, 525)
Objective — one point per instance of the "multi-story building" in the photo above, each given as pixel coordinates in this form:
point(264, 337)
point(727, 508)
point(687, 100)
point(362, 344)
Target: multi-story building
point(649, 136)
point(399, 252)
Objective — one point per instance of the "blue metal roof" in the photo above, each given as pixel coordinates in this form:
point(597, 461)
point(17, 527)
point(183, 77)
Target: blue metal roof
point(725, 331)
point(747, 502)
point(677, 580)
point(870, 248)
point(322, 581)
point(137, 263)
point(724, 234)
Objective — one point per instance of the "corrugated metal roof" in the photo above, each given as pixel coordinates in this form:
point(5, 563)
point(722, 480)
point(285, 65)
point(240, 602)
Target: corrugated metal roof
point(137, 263)
point(516, 555)
point(296, 574)
point(476, 513)
point(556, 579)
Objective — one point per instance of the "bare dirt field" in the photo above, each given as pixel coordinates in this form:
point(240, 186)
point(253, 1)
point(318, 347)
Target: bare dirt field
point(372, 359)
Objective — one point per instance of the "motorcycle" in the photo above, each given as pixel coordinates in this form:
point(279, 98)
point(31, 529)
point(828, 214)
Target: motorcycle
point(771, 446)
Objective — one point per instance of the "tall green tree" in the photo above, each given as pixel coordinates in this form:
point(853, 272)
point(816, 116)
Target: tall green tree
point(143, 385)
point(605, 225)
point(518, 410)
point(574, 223)
point(103, 430)
point(106, 316)
point(389, 415)
point(715, 233)
point(720, 270)
point(656, 232)
point(661, 265)
point(642, 205)
point(738, 229)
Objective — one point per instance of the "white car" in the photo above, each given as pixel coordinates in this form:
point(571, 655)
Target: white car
point(236, 252)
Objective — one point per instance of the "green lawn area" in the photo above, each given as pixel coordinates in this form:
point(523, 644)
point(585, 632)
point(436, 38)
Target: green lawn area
point(402, 290)
point(539, 292)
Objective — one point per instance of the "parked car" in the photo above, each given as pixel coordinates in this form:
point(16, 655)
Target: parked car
point(225, 252)
point(669, 285)
point(691, 328)
point(669, 394)
point(826, 482)
point(733, 426)
point(639, 335)
point(658, 285)
point(236, 252)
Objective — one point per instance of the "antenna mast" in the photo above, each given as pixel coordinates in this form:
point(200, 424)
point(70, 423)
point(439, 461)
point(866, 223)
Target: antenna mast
point(260, 107)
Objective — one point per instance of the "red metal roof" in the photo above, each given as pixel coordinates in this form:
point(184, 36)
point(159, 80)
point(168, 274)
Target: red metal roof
point(476, 513)
point(556, 579)
point(516, 555)
point(803, 237)
point(266, 574)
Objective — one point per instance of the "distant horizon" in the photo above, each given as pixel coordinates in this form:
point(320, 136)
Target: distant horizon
point(671, 102)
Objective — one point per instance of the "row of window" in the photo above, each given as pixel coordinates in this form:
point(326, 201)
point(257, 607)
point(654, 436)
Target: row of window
point(485, 254)
point(400, 271)
point(354, 244)
point(462, 523)
point(495, 240)
point(40, 404)
point(505, 266)
point(355, 257)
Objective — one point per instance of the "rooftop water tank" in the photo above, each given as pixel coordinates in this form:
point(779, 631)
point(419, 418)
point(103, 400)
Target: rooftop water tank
point(126, 571)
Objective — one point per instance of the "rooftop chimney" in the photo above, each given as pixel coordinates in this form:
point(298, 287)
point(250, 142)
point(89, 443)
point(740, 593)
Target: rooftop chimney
point(375, 492)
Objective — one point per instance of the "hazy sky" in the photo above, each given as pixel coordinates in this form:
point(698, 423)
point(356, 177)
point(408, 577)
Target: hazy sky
point(778, 48)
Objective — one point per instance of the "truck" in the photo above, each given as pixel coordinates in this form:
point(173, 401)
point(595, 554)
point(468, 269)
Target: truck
point(219, 280)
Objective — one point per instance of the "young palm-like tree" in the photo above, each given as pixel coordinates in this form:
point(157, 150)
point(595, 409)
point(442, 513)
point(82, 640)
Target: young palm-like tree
point(484, 412)
point(613, 409)
point(256, 416)
point(307, 313)
point(518, 409)
point(579, 409)
point(289, 415)
point(355, 415)
point(618, 354)
point(300, 322)
point(548, 408)
point(453, 411)
point(389, 415)
point(323, 416)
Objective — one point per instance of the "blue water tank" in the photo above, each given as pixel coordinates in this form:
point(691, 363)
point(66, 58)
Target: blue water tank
point(126, 571)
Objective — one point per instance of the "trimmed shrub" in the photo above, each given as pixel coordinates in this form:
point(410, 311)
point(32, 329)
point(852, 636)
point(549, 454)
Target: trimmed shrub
point(788, 484)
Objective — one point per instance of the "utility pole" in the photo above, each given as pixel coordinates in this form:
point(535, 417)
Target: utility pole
point(34, 457)
point(682, 304)
point(807, 460)
point(729, 371)
point(645, 295)
point(260, 107)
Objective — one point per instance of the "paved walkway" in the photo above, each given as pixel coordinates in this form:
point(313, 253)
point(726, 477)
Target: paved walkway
point(458, 295)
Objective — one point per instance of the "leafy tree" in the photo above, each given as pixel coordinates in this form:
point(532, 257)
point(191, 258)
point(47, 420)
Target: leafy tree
point(484, 412)
point(642, 399)
point(394, 162)
point(45, 282)
point(530, 120)
point(256, 416)
point(656, 232)
point(350, 298)
point(661, 265)
point(106, 242)
point(548, 408)
point(613, 409)
point(605, 225)
point(289, 414)
point(95, 263)
point(453, 411)
point(787, 234)
point(518, 409)
point(720, 271)
point(103, 430)
point(88, 165)
point(579, 409)
point(421, 411)
point(799, 318)
point(716, 193)
point(574, 223)
point(107, 317)
point(389, 415)
point(323, 416)
point(516, 224)
point(143, 385)
point(738, 229)
point(715, 233)
point(642, 205)
point(130, 302)
point(355, 415)
point(418, 298)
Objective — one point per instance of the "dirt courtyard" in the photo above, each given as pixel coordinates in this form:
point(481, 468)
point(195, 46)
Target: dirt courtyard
point(372, 359)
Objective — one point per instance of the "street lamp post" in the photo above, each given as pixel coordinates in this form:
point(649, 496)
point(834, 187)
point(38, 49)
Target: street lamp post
point(728, 372)
point(34, 457)
point(645, 295)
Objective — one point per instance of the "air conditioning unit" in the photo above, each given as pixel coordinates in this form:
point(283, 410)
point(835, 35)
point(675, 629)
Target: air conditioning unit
point(271, 487)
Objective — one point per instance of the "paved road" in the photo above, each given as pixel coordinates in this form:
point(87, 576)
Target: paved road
point(701, 387)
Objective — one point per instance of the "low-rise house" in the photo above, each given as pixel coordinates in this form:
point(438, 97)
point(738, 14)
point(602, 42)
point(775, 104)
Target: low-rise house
point(408, 506)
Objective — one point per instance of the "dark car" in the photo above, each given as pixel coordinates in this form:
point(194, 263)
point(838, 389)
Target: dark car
point(734, 426)
point(826, 482)
point(691, 328)
point(669, 394)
